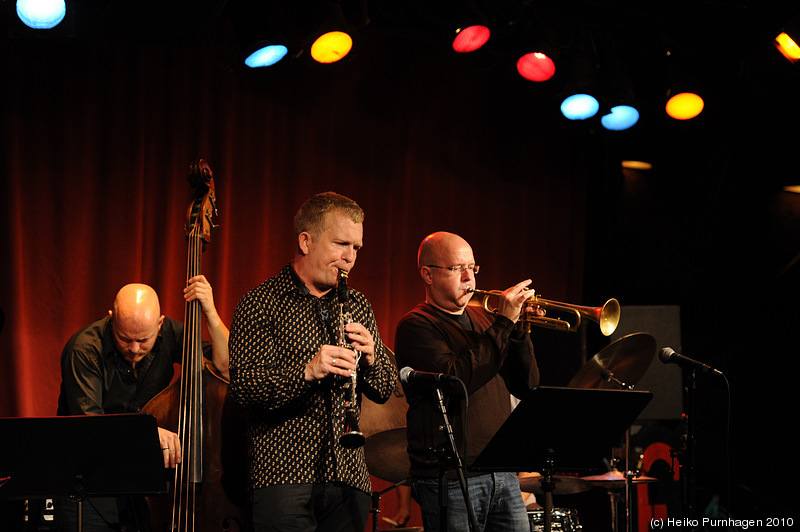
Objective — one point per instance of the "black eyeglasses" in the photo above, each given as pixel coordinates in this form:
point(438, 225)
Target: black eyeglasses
point(460, 269)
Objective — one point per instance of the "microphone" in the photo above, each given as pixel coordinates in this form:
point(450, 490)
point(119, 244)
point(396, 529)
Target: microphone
point(409, 376)
point(669, 356)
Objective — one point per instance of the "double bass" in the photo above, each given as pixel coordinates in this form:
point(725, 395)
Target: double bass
point(208, 489)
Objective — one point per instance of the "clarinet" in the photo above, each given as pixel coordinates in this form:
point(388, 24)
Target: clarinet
point(352, 437)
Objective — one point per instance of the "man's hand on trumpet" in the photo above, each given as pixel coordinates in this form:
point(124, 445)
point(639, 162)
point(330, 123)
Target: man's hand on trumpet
point(512, 301)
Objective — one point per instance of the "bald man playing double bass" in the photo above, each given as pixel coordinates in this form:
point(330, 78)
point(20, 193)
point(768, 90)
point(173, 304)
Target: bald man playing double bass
point(117, 365)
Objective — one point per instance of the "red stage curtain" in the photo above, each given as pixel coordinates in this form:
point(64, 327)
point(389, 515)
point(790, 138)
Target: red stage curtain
point(94, 189)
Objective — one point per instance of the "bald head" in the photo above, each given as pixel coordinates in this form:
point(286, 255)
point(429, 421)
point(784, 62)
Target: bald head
point(136, 302)
point(438, 247)
point(446, 289)
point(136, 319)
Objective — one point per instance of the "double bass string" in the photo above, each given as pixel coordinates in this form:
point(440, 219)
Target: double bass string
point(189, 472)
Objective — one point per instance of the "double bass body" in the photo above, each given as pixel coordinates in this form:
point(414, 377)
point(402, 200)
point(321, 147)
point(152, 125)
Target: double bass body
point(220, 500)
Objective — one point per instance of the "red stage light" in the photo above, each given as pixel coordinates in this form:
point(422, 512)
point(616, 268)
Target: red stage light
point(470, 38)
point(536, 66)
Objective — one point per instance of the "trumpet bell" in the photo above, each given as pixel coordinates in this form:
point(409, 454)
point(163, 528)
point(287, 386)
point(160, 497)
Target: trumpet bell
point(608, 319)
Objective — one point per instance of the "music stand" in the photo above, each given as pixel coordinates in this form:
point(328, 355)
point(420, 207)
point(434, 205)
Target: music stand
point(567, 428)
point(112, 455)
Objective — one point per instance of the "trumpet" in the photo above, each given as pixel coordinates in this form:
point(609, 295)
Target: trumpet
point(352, 436)
point(606, 316)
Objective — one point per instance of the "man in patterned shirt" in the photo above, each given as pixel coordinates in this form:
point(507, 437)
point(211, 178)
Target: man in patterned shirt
point(290, 374)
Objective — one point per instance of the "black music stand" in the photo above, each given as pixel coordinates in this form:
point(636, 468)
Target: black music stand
point(563, 428)
point(80, 457)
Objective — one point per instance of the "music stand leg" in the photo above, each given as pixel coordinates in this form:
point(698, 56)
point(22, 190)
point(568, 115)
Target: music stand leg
point(447, 457)
point(548, 486)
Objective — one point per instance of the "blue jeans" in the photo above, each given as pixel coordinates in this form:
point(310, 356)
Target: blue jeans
point(496, 499)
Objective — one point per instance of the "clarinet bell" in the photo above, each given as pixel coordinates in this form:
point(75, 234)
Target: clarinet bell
point(352, 437)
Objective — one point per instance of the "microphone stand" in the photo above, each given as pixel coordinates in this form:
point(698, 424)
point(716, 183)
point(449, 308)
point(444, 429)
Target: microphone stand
point(686, 455)
point(447, 457)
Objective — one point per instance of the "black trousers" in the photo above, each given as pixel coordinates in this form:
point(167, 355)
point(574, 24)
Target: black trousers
point(124, 514)
point(310, 507)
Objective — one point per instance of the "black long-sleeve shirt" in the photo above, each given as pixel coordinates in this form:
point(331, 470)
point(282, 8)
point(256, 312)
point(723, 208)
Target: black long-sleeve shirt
point(95, 379)
point(294, 425)
point(486, 353)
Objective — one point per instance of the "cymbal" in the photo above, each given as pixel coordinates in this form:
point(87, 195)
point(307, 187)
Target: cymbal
point(620, 364)
point(615, 478)
point(377, 418)
point(386, 455)
point(564, 485)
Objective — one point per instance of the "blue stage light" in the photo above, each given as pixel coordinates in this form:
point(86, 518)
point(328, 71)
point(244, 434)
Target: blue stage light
point(620, 118)
point(580, 107)
point(41, 14)
point(266, 56)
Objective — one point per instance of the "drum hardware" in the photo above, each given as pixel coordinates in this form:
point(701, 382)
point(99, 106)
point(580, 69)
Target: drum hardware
point(375, 506)
point(562, 519)
point(619, 365)
point(562, 485)
point(616, 479)
point(387, 459)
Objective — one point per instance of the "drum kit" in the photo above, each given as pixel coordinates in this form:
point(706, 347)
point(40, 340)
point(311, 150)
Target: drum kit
point(620, 365)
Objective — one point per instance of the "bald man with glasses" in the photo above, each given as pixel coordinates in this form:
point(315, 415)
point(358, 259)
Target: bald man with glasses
point(490, 356)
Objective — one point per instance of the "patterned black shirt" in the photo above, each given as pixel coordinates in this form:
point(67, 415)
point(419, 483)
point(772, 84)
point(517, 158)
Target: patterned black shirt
point(293, 425)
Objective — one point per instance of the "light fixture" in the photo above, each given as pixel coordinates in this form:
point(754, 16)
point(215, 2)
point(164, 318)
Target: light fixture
point(620, 118)
point(41, 14)
point(581, 102)
point(471, 29)
point(265, 54)
point(618, 92)
point(683, 100)
point(684, 106)
point(536, 53)
point(331, 46)
point(788, 40)
point(471, 38)
point(536, 66)
point(267, 32)
point(37, 19)
point(580, 106)
point(633, 164)
point(332, 41)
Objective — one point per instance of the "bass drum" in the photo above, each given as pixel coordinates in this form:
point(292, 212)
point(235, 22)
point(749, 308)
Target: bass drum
point(563, 519)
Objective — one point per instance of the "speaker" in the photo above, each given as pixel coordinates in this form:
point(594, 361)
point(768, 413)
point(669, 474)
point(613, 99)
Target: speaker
point(664, 380)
